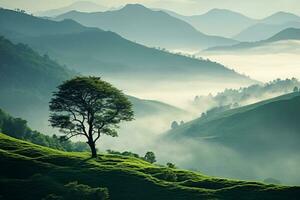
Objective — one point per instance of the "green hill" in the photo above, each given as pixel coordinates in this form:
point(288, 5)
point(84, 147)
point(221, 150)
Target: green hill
point(271, 126)
point(28, 80)
point(25, 166)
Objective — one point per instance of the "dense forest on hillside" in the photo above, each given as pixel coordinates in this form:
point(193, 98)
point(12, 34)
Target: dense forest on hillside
point(17, 128)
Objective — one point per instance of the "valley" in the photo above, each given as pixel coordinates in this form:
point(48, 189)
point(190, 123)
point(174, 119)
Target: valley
point(140, 100)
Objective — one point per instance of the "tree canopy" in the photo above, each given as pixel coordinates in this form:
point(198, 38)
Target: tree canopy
point(89, 107)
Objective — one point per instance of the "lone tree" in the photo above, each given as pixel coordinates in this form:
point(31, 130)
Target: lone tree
point(89, 107)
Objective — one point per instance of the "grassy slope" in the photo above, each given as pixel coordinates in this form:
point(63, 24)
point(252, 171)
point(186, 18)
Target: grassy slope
point(270, 125)
point(125, 177)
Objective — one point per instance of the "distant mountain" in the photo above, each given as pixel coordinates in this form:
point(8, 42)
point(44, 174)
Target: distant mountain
point(91, 50)
point(287, 34)
point(82, 6)
point(220, 22)
point(290, 34)
point(280, 18)
point(152, 28)
point(270, 126)
point(268, 27)
point(262, 31)
point(17, 24)
point(144, 107)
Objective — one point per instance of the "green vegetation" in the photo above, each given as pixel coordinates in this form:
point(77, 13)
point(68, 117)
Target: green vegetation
point(270, 125)
point(25, 167)
point(27, 80)
point(17, 128)
point(150, 157)
point(89, 107)
point(232, 98)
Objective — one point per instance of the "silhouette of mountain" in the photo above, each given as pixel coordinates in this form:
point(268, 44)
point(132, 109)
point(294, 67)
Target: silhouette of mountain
point(280, 18)
point(283, 36)
point(262, 31)
point(220, 22)
point(82, 6)
point(152, 28)
point(90, 50)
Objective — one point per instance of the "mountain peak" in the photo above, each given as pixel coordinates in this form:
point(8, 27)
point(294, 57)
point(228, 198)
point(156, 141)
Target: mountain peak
point(134, 7)
point(221, 11)
point(216, 10)
point(282, 13)
point(281, 17)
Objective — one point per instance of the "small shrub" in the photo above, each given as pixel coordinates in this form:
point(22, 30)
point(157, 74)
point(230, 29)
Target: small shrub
point(150, 157)
point(171, 165)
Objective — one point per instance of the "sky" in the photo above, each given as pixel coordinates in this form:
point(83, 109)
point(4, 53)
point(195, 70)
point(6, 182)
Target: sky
point(252, 8)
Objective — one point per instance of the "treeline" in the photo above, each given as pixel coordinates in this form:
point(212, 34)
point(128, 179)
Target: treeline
point(148, 157)
point(232, 98)
point(17, 128)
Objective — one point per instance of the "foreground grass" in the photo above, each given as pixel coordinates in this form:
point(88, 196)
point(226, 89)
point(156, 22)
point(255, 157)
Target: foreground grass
point(29, 171)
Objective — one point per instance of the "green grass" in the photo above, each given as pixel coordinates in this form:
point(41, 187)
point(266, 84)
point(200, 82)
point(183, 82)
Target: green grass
point(213, 124)
point(30, 171)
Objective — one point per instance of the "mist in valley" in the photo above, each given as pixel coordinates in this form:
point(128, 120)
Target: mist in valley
point(262, 63)
point(227, 109)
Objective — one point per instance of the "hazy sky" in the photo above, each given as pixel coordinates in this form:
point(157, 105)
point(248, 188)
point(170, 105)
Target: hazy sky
point(253, 8)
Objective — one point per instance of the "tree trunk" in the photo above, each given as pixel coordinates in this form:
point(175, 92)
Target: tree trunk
point(93, 149)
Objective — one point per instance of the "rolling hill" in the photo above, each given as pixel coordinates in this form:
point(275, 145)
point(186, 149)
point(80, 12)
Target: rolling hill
point(152, 28)
point(27, 80)
point(220, 22)
point(25, 166)
point(289, 34)
point(253, 142)
point(270, 126)
point(106, 53)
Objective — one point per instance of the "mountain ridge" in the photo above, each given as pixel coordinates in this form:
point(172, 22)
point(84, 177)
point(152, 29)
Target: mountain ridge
point(284, 35)
point(85, 6)
point(139, 23)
